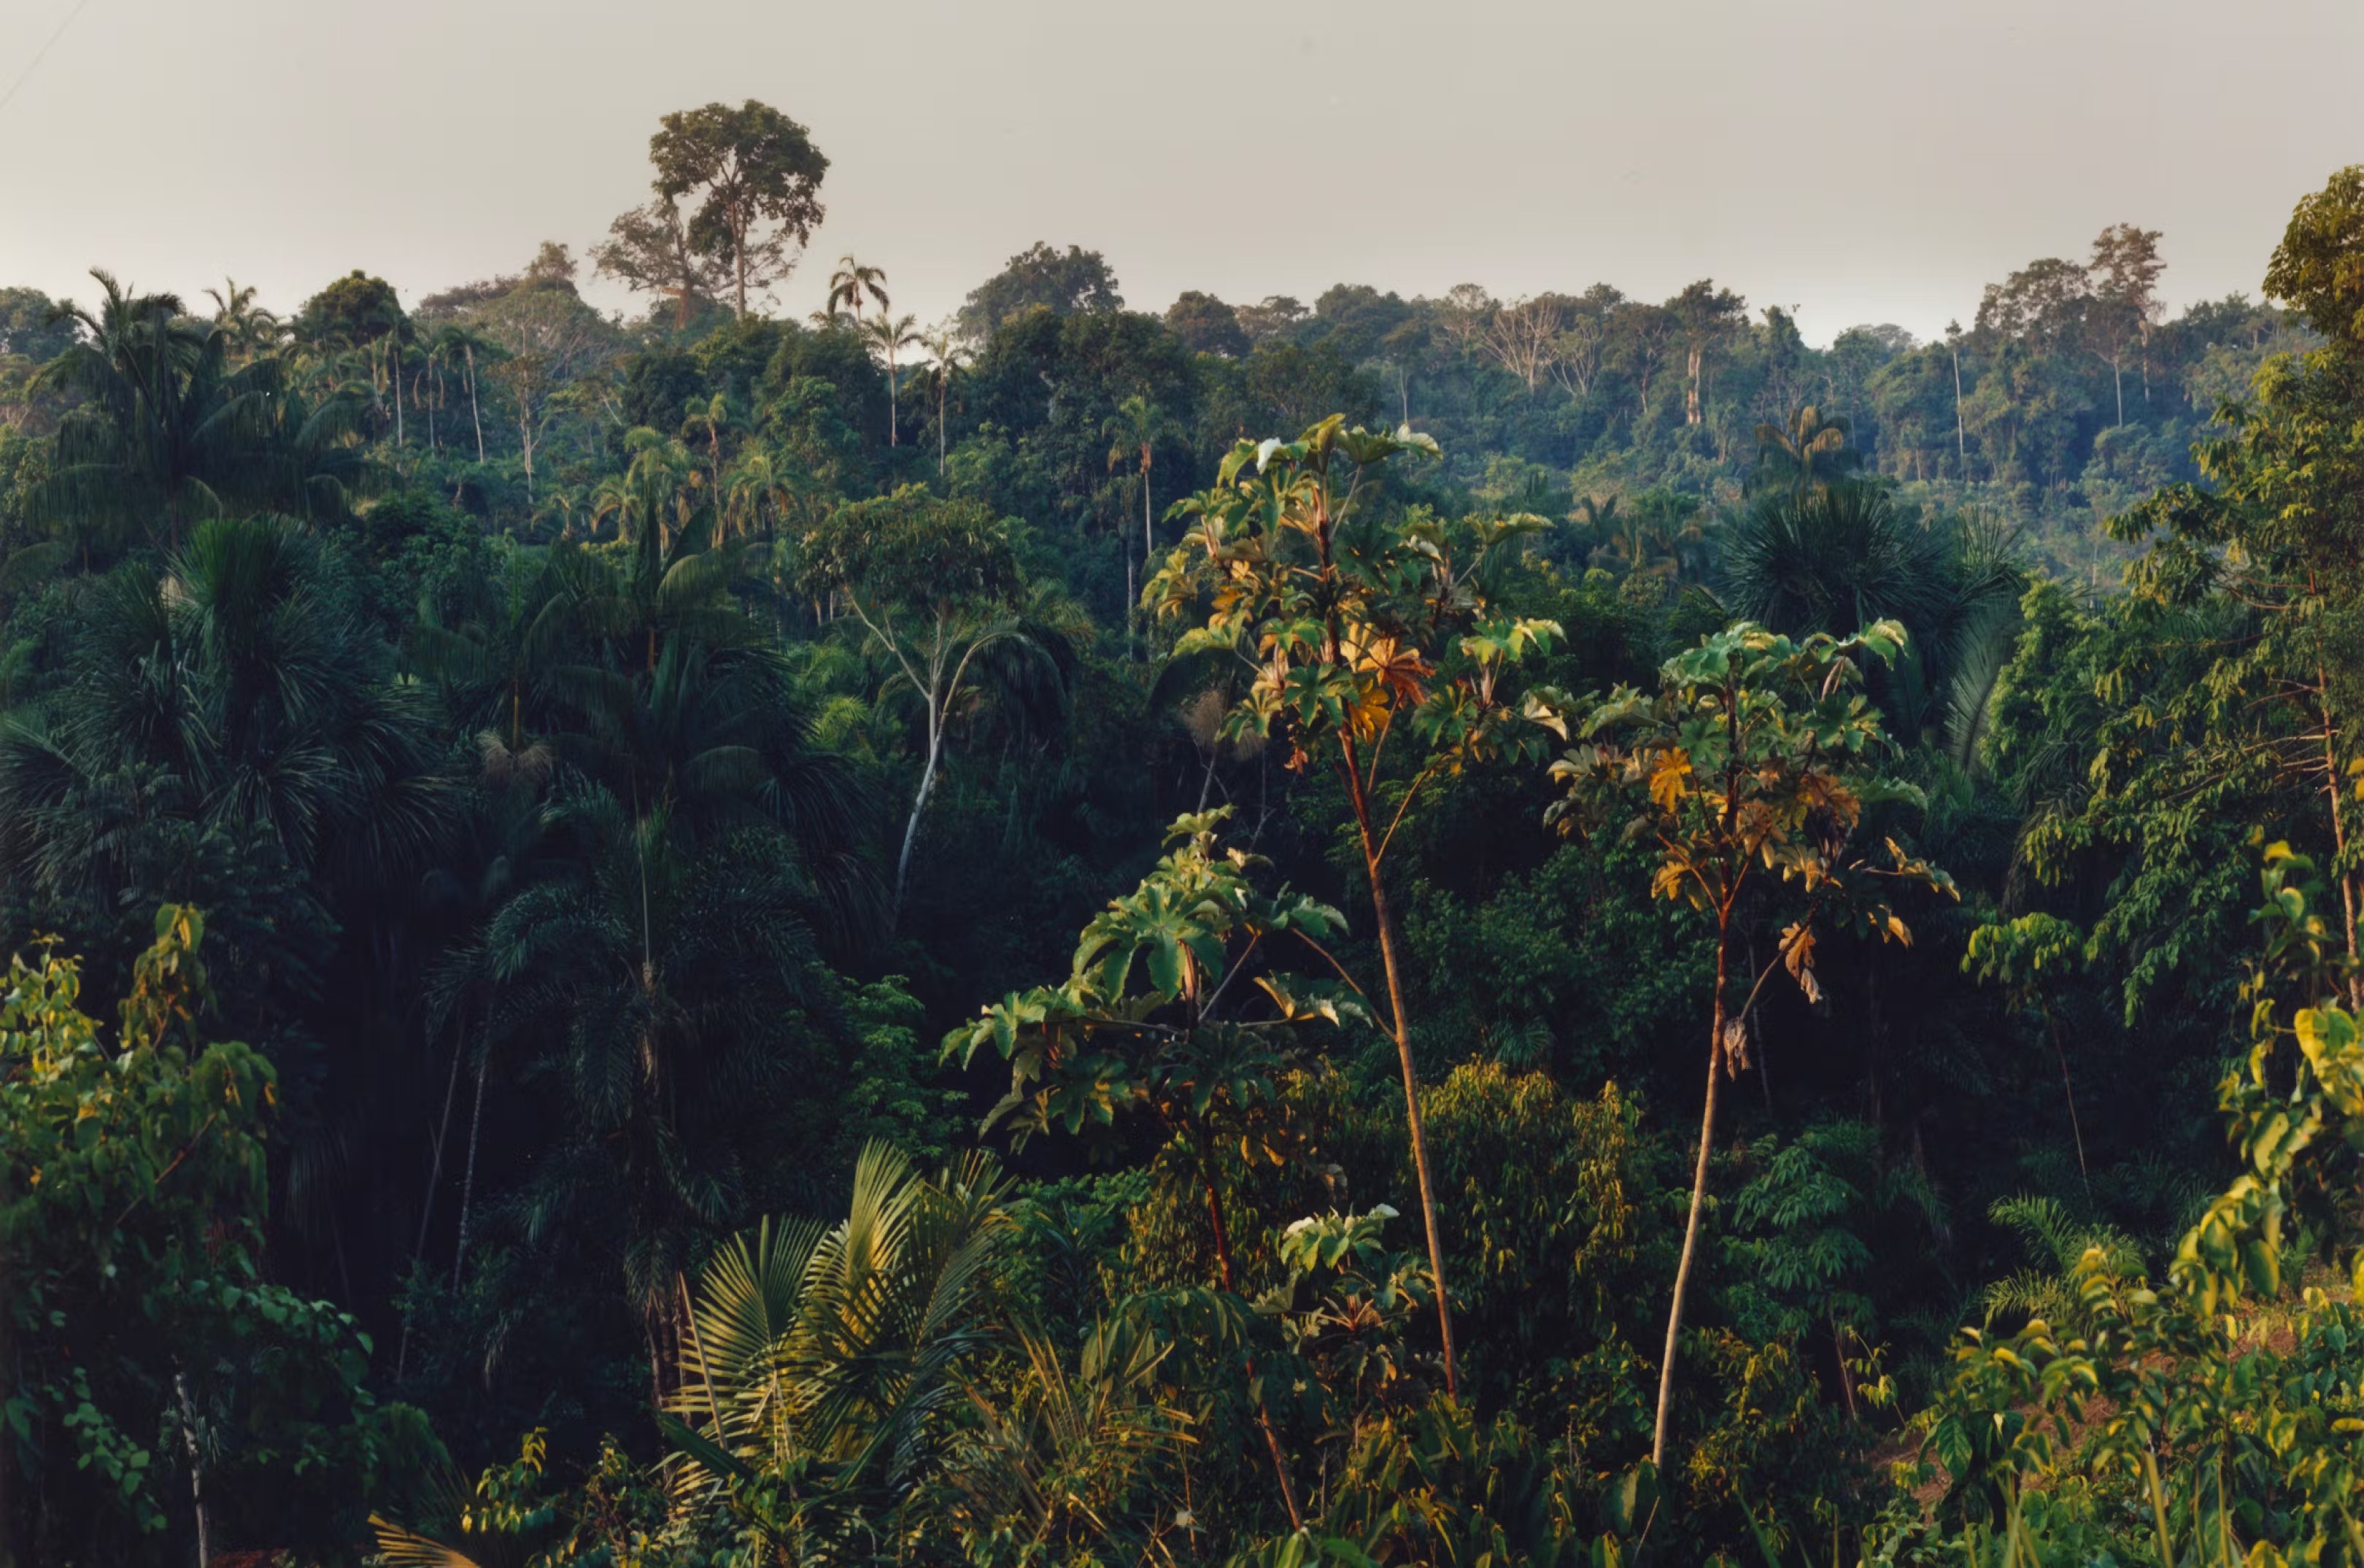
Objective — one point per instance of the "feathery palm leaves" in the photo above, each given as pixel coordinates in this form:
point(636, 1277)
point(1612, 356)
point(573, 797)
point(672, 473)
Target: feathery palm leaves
point(1133, 432)
point(946, 360)
point(251, 331)
point(852, 283)
point(165, 430)
point(675, 986)
point(1806, 453)
point(1067, 1454)
point(833, 1355)
point(888, 336)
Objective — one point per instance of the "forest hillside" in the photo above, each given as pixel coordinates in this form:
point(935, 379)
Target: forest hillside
point(1373, 931)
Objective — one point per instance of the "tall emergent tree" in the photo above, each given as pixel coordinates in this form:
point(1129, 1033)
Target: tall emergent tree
point(649, 250)
point(1346, 618)
point(750, 178)
point(1754, 755)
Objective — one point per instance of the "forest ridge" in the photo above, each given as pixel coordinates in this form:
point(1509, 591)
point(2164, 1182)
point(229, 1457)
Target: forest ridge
point(1410, 931)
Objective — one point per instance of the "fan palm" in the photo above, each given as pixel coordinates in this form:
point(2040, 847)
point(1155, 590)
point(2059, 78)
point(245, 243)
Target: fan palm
point(245, 677)
point(1844, 555)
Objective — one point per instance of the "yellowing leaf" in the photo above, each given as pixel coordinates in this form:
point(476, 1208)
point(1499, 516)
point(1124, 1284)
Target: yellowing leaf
point(1670, 780)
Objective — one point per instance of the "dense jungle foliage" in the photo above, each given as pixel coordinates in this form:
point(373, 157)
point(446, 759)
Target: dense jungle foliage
point(1402, 931)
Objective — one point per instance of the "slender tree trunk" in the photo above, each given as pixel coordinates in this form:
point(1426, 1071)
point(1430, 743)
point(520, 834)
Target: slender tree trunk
point(475, 411)
point(1223, 1261)
point(1699, 1204)
point(434, 1180)
point(919, 802)
point(196, 1468)
point(1961, 440)
point(2118, 376)
point(893, 422)
point(2068, 1088)
point(1403, 1055)
point(2338, 837)
point(468, 1181)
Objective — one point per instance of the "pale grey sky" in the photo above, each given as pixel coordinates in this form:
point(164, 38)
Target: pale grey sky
point(1866, 161)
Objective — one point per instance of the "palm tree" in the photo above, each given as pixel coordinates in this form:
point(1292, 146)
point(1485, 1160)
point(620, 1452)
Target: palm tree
point(829, 1353)
point(819, 1363)
point(165, 431)
point(1133, 431)
point(851, 282)
point(242, 675)
point(1844, 556)
point(1651, 540)
point(251, 330)
point(462, 343)
point(658, 489)
point(505, 655)
point(1807, 453)
point(229, 732)
point(1592, 520)
point(1839, 558)
point(887, 334)
point(756, 491)
point(948, 360)
point(674, 989)
point(714, 415)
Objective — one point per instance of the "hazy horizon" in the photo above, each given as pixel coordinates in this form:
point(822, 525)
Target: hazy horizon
point(1860, 165)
